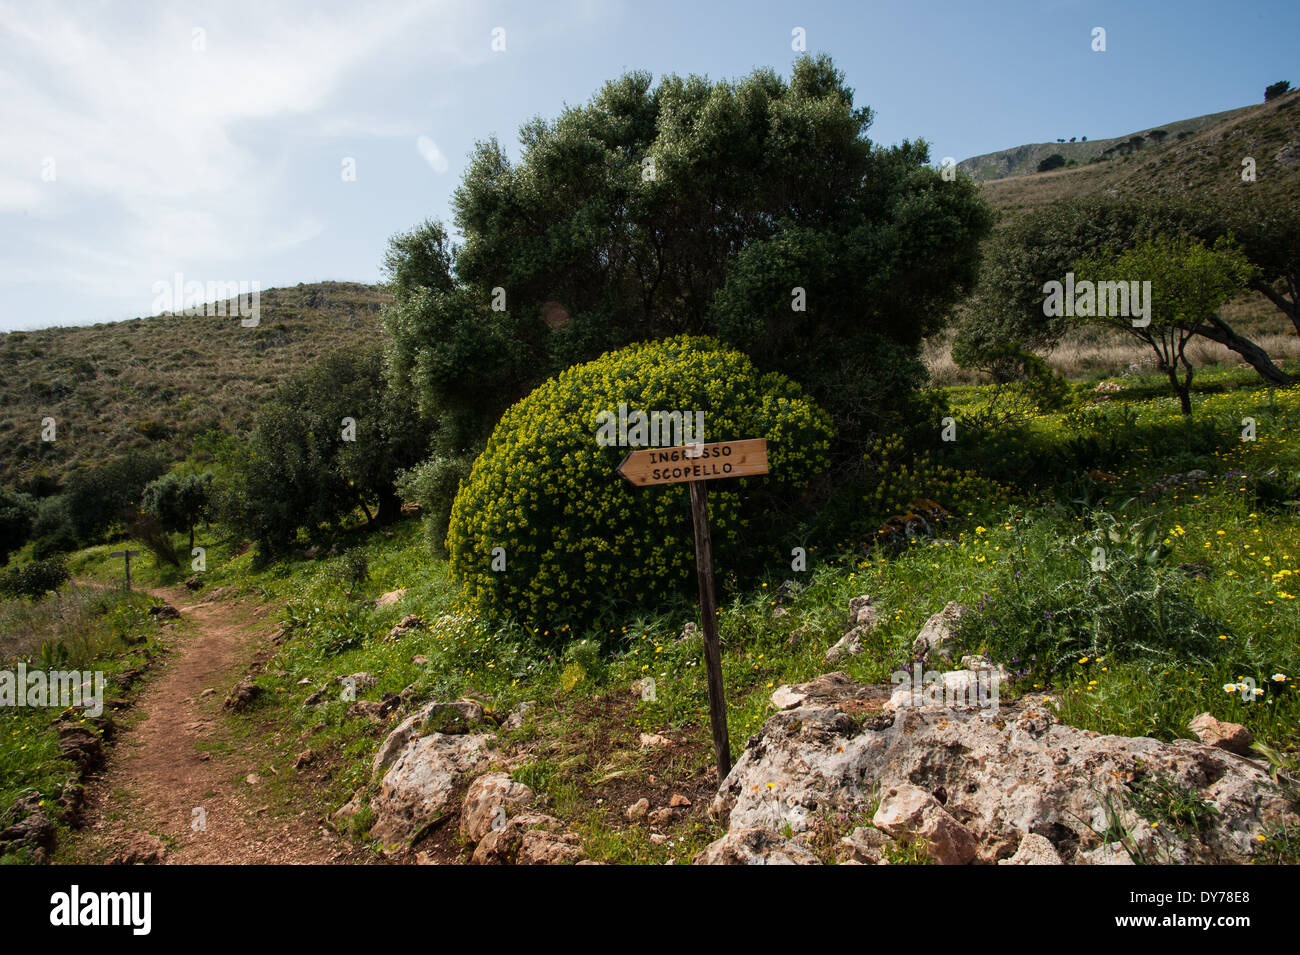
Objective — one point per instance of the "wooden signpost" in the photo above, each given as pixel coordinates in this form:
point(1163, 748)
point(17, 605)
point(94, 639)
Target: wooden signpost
point(128, 554)
point(695, 464)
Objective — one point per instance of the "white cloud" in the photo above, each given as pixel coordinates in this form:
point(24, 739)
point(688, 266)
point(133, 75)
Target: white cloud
point(432, 154)
point(167, 156)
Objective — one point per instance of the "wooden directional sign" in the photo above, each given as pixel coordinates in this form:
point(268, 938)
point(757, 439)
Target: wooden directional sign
point(698, 462)
point(128, 554)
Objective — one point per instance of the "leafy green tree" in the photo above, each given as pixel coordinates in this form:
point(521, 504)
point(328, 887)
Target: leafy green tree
point(1054, 161)
point(17, 514)
point(332, 441)
point(1274, 90)
point(1005, 315)
point(1189, 282)
point(1268, 228)
point(104, 494)
point(178, 502)
point(755, 211)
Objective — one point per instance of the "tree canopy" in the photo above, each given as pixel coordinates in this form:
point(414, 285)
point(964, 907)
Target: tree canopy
point(755, 211)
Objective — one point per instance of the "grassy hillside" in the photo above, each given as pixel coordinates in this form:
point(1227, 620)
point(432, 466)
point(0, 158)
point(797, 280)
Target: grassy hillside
point(1205, 162)
point(159, 381)
point(1024, 160)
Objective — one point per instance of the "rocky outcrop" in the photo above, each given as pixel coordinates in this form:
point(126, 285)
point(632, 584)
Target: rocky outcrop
point(936, 635)
point(26, 831)
point(863, 612)
point(434, 717)
point(419, 787)
point(849, 645)
point(1233, 737)
point(529, 839)
point(965, 785)
point(757, 846)
point(488, 803)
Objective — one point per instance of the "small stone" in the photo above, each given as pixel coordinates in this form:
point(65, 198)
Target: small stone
point(678, 801)
point(487, 803)
point(936, 634)
point(862, 611)
point(849, 645)
point(638, 810)
point(243, 695)
point(1034, 850)
point(1233, 737)
point(662, 817)
point(365, 709)
point(653, 741)
point(519, 715)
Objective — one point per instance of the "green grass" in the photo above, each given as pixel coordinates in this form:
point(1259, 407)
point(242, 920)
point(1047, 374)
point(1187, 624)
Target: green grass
point(107, 631)
point(1234, 618)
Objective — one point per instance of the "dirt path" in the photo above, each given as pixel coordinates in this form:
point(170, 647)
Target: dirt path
point(181, 755)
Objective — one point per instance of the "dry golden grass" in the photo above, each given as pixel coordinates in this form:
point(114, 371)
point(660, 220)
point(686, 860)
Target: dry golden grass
point(1101, 352)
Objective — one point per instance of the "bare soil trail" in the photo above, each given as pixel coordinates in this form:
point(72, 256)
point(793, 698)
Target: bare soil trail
point(181, 753)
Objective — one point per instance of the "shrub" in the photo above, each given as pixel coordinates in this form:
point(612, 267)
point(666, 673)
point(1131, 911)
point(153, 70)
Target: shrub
point(1055, 603)
point(896, 479)
point(178, 502)
point(17, 514)
point(331, 441)
point(577, 539)
point(433, 486)
point(35, 579)
point(100, 495)
point(695, 206)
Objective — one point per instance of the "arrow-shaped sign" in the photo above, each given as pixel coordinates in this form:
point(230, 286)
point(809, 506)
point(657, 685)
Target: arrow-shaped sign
point(695, 462)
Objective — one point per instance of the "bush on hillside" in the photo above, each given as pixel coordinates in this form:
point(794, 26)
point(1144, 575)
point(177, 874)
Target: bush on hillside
point(33, 580)
point(330, 443)
point(577, 539)
point(1106, 593)
point(17, 514)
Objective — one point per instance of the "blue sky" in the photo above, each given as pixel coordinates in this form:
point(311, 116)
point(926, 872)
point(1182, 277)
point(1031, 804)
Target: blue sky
point(218, 154)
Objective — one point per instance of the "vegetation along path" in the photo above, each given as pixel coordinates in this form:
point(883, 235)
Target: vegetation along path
point(182, 785)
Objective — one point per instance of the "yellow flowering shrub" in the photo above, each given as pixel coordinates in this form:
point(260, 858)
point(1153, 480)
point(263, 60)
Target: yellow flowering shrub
point(576, 539)
point(896, 478)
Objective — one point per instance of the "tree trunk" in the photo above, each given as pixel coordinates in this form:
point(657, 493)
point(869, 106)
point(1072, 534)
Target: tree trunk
point(1182, 389)
point(1288, 306)
point(390, 508)
point(1216, 330)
